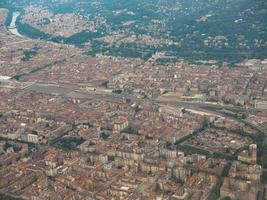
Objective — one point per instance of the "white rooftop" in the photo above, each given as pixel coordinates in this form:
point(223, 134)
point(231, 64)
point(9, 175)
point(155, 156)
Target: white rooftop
point(5, 77)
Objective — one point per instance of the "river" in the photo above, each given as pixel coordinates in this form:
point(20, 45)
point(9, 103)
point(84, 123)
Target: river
point(12, 27)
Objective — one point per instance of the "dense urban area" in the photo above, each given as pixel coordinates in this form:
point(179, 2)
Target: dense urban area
point(112, 105)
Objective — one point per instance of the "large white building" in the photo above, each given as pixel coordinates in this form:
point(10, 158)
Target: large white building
point(261, 104)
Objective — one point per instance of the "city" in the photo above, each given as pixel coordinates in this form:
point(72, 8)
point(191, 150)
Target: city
point(77, 126)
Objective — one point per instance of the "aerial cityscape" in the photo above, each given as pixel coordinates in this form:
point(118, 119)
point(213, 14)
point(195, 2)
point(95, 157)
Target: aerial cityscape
point(133, 100)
